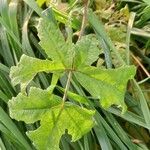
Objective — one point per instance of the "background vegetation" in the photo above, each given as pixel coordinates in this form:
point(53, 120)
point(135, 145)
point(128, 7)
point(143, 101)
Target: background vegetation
point(127, 25)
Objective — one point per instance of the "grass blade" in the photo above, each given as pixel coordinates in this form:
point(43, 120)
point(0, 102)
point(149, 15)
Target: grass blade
point(12, 127)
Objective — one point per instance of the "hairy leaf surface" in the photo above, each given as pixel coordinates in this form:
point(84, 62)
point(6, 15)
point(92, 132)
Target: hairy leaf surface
point(86, 51)
point(32, 107)
point(55, 118)
point(53, 42)
point(109, 85)
point(76, 120)
point(28, 67)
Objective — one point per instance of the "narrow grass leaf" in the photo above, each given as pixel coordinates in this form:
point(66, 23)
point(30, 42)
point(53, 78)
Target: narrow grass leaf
point(12, 127)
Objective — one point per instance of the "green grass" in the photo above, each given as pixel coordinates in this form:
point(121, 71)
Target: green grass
point(113, 130)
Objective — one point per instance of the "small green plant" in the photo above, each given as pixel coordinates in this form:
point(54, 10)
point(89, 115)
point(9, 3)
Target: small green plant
point(56, 115)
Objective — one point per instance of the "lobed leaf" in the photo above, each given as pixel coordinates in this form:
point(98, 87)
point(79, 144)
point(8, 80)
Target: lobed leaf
point(53, 42)
point(99, 82)
point(28, 67)
point(86, 51)
point(76, 120)
point(32, 107)
point(55, 118)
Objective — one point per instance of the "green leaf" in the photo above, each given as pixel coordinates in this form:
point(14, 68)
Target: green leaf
point(86, 51)
point(32, 107)
point(147, 1)
point(28, 67)
point(41, 105)
point(100, 82)
point(41, 2)
point(101, 34)
point(53, 42)
point(54, 124)
point(56, 116)
point(75, 97)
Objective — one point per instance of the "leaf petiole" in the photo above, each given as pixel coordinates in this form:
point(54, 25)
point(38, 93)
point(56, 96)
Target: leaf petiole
point(67, 87)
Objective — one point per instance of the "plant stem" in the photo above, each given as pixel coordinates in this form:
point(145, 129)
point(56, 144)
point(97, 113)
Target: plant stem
point(84, 19)
point(140, 64)
point(67, 86)
point(129, 28)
